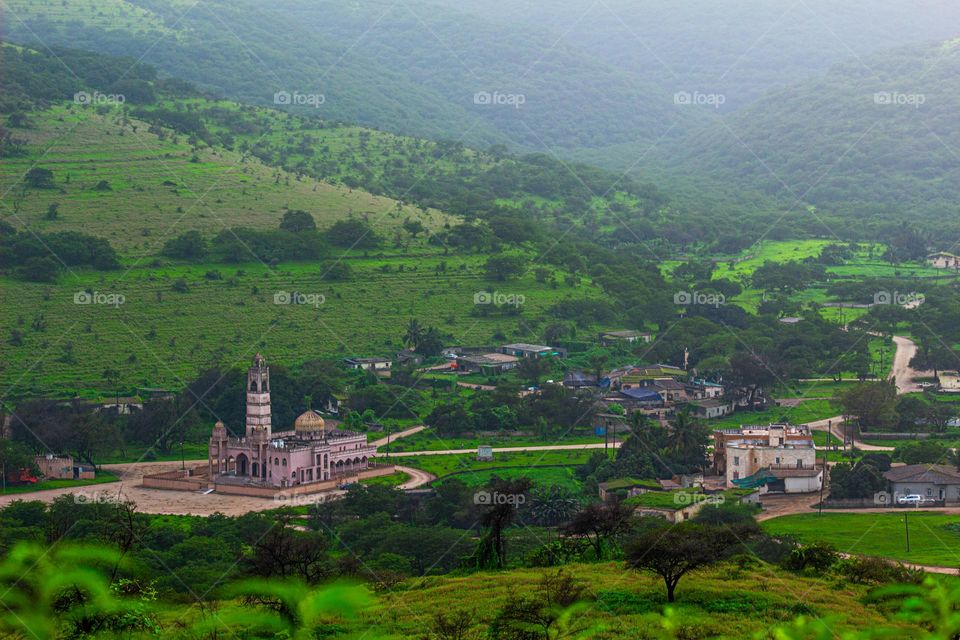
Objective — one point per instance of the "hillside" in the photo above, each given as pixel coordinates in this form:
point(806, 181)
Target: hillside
point(870, 139)
point(718, 603)
point(412, 69)
point(140, 184)
point(741, 49)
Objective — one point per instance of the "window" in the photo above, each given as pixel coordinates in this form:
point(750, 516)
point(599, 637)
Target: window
point(736, 461)
point(799, 464)
point(929, 491)
point(778, 459)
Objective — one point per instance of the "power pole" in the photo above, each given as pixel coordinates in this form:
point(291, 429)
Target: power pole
point(906, 524)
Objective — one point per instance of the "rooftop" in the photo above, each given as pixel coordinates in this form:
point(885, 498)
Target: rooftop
point(523, 346)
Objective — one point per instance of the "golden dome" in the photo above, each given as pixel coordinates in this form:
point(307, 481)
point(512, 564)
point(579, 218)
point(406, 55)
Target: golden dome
point(309, 421)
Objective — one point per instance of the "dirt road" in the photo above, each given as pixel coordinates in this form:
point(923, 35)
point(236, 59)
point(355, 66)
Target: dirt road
point(901, 371)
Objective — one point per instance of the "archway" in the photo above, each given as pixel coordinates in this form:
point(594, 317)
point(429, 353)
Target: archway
point(242, 462)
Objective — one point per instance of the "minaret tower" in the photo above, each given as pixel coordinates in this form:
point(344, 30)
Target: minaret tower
point(258, 398)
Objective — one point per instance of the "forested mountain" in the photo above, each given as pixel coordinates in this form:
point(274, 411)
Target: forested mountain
point(741, 49)
point(875, 137)
point(412, 67)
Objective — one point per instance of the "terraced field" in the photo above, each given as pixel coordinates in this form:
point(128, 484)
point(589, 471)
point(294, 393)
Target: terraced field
point(162, 337)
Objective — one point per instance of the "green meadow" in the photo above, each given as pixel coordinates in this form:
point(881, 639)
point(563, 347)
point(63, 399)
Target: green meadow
point(934, 537)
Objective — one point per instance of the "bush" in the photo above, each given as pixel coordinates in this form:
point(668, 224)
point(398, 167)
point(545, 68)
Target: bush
point(877, 571)
point(819, 557)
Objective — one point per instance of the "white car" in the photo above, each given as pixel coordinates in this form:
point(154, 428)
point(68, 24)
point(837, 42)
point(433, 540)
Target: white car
point(910, 499)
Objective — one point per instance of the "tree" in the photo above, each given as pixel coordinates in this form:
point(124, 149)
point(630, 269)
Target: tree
point(688, 439)
point(189, 245)
point(39, 178)
point(14, 457)
point(414, 227)
point(353, 234)
point(449, 419)
point(40, 269)
point(873, 403)
point(502, 268)
point(601, 523)
point(296, 221)
point(674, 551)
point(112, 378)
point(532, 370)
point(414, 334)
point(500, 500)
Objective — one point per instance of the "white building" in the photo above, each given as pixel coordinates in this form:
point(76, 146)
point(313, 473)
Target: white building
point(777, 457)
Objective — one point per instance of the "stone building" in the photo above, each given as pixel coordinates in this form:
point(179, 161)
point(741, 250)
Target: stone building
point(307, 453)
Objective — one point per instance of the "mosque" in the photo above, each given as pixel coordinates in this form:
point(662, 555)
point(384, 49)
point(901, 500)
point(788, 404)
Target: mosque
point(308, 453)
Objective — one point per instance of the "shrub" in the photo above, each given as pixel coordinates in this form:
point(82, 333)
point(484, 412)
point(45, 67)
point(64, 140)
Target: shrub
point(818, 556)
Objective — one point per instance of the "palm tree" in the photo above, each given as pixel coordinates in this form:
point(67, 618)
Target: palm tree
point(414, 335)
point(687, 438)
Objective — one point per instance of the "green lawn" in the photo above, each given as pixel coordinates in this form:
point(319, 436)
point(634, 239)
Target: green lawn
point(392, 480)
point(429, 440)
point(541, 477)
point(103, 477)
point(934, 537)
point(807, 411)
point(442, 465)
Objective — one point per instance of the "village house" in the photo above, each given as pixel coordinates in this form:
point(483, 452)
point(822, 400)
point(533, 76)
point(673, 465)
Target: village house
point(670, 390)
point(626, 488)
point(62, 467)
point(368, 364)
point(700, 389)
point(489, 364)
point(579, 380)
point(611, 338)
point(711, 408)
point(938, 482)
point(524, 350)
point(943, 260)
point(948, 381)
point(777, 457)
point(634, 376)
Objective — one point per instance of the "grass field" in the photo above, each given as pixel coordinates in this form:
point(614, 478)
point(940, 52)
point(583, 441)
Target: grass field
point(467, 465)
point(807, 411)
point(429, 440)
point(934, 537)
point(392, 480)
point(160, 337)
point(103, 477)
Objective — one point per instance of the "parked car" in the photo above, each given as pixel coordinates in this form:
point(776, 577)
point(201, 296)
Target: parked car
point(913, 498)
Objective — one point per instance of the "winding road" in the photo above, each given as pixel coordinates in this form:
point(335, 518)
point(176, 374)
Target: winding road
point(901, 373)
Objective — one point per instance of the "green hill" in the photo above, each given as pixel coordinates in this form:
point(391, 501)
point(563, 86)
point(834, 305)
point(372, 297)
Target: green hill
point(872, 138)
point(413, 68)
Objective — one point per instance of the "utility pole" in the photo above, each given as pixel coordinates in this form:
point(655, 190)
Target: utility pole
point(906, 524)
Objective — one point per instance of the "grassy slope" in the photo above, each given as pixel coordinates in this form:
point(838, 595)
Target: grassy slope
point(880, 534)
point(162, 338)
point(719, 602)
point(223, 189)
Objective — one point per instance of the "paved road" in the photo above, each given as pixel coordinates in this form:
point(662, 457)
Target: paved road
point(550, 447)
